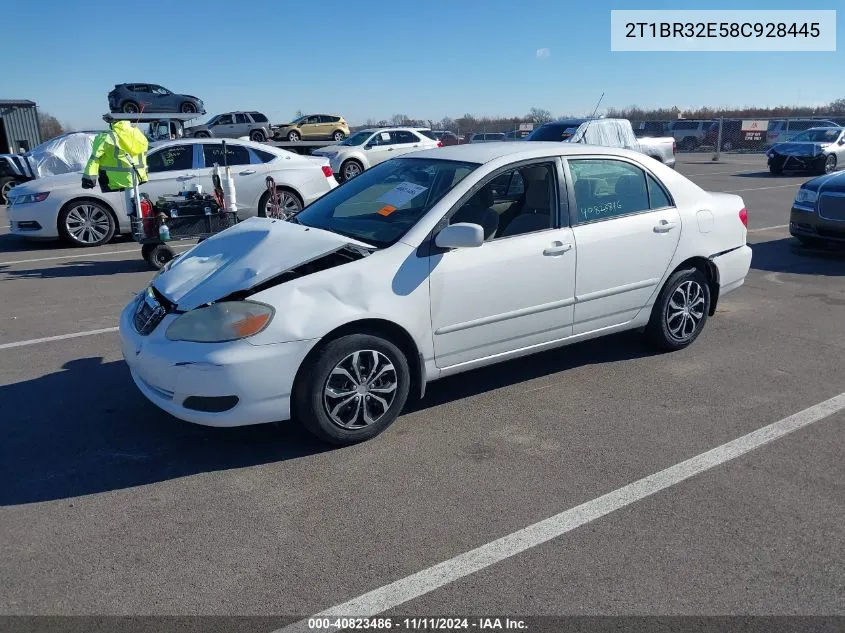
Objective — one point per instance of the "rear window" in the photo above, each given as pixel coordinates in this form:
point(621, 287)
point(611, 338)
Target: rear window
point(552, 131)
point(429, 134)
point(258, 117)
point(264, 157)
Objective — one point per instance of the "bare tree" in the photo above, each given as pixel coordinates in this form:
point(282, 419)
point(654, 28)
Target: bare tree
point(399, 119)
point(49, 126)
point(299, 114)
point(538, 115)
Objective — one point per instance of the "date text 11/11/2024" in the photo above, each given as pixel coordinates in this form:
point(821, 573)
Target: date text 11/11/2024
point(418, 624)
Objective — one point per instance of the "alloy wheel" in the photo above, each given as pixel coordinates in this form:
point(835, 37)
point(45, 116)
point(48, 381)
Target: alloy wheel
point(360, 389)
point(88, 224)
point(7, 187)
point(829, 164)
point(685, 310)
point(350, 170)
point(289, 206)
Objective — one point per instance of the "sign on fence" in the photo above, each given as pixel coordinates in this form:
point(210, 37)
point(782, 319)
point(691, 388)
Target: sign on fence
point(755, 130)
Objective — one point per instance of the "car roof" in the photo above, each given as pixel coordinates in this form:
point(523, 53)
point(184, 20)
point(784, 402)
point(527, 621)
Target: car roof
point(232, 141)
point(486, 152)
point(392, 128)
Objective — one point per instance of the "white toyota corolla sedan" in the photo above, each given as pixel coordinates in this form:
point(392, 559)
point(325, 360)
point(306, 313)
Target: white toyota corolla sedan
point(425, 266)
point(58, 206)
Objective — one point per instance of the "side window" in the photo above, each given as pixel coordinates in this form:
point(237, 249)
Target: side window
point(501, 218)
point(258, 117)
point(141, 88)
point(606, 189)
point(657, 196)
point(404, 136)
point(381, 138)
point(225, 119)
point(312, 120)
point(264, 157)
point(241, 118)
point(173, 158)
point(235, 154)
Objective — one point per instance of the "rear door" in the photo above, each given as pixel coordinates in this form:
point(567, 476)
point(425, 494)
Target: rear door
point(143, 95)
point(241, 126)
point(247, 171)
point(405, 141)
point(170, 168)
point(626, 230)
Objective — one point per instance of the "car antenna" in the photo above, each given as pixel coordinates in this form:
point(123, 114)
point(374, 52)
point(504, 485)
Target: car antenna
point(592, 116)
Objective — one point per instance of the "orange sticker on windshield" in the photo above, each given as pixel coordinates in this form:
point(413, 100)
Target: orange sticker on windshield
point(386, 210)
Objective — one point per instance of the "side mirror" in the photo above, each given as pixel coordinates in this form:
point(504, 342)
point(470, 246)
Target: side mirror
point(842, 141)
point(460, 235)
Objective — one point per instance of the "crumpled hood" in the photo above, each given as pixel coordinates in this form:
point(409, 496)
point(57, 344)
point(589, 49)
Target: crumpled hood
point(799, 149)
point(129, 138)
point(242, 257)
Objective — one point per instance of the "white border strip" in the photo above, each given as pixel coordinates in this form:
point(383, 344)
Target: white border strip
point(60, 337)
point(413, 586)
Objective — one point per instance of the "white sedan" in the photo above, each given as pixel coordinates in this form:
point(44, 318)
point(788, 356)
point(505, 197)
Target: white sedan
point(366, 148)
point(425, 266)
point(58, 206)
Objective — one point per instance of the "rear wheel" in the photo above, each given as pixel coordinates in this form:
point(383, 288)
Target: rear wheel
point(86, 223)
point(727, 145)
point(352, 389)
point(202, 135)
point(188, 108)
point(680, 312)
point(291, 204)
point(810, 242)
point(130, 107)
point(689, 143)
point(257, 136)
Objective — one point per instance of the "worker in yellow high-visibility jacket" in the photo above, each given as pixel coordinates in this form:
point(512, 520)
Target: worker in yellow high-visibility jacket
point(114, 156)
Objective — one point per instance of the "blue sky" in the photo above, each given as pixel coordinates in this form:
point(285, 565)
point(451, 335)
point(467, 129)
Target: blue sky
point(375, 58)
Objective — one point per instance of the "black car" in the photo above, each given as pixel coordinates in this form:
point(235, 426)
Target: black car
point(132, 98)
point(818, 211)
point(819, 149)
point(556, 130)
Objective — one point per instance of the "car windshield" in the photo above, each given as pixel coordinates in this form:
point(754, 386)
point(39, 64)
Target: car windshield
point(383, 203)
point(356, 139)
point(817, 136)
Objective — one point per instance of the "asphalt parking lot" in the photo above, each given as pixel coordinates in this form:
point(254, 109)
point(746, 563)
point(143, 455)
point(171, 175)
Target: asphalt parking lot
point(109, 506)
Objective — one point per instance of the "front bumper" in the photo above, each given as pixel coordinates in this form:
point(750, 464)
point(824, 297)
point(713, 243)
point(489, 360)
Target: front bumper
point(35, 219)
point(806, 223)
point(797, 163)
point(253, 381)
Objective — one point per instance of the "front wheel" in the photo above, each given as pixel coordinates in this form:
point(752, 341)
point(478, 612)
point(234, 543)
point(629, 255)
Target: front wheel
point(350, 169)
point(188, 108)
point(352, 389)
point(727, 146)
point(338, 136)
point(86, 223)
point(829, 164)
point(774, 170)
point(202, 135)
point(294, 137)
point(680, 312)
point(6, 185)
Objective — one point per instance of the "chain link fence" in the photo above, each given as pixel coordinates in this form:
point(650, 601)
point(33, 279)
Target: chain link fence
point(731, 134)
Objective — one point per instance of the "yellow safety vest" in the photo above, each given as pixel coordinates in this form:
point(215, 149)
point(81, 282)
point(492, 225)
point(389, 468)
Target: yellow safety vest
point(118, 152)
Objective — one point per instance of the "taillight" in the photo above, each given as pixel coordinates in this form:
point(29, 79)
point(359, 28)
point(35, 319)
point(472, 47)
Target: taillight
point(743, 216)
point(439, 143)
point(674, 147)
point(327, 171)
point(146, 208)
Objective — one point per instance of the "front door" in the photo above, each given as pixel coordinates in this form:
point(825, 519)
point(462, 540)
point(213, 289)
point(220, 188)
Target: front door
point(311, 128)
point(626, 230)
point(379, 148)
point(224, 127)
point(515, 291)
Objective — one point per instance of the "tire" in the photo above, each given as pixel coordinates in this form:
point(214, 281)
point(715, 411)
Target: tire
point(188, 108)
point(291, 202)
point(202, 135)
point(294, 136)
point(810, 242)
point(354, 416)
point(6, 184)
point(157, 255)
point(775, 171)
point(338, 136)
point(350, 168)
point(257, 136)
point(829, 165)
point(86, 223)
point(680, 312)
point(130, 107)
point(689, 143)
point(727, 146)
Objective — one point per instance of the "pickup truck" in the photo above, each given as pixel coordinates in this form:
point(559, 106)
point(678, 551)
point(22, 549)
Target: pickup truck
point(619, 133)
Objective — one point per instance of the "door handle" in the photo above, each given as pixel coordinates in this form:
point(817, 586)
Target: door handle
point(186, 177)
point(246, 172)
point(664, 226)
point(389, 149)
point(557, 248)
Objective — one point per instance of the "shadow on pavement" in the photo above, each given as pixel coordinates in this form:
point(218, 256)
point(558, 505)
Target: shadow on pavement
point(86, 429)
point(788, 255)
point(80, 268)
point(14, 244)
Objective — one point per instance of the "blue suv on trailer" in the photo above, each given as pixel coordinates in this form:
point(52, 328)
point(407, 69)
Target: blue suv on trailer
point(131, 98)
